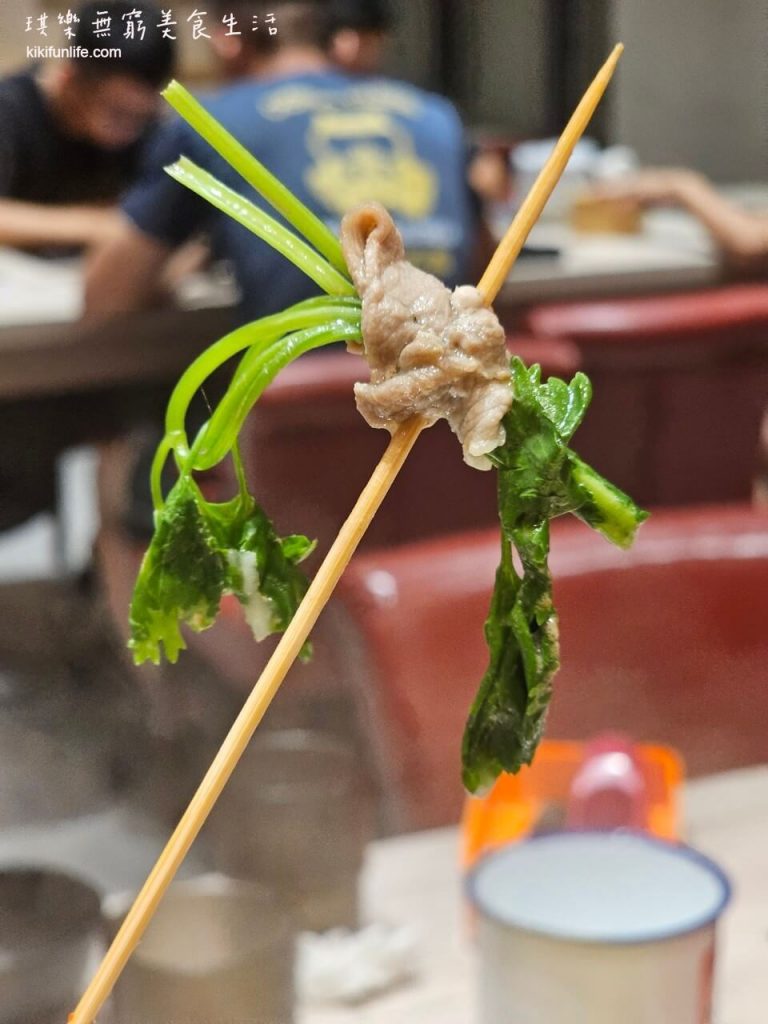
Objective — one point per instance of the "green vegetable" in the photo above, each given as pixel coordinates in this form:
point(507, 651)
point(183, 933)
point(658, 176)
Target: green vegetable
point(201, 551)
point(539, 478)
point(256, 174)
point(260, 223)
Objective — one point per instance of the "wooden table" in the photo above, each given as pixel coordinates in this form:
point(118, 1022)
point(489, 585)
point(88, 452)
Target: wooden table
point(67, 382)
point(46, 350)
point(415, 879)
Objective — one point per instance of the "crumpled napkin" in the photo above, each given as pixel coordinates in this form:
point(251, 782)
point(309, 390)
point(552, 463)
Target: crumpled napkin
point(345, 967)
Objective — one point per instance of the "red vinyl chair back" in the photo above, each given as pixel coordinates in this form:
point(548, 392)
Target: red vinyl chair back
point(308, 454)
point(681, 382)
point(667, 641)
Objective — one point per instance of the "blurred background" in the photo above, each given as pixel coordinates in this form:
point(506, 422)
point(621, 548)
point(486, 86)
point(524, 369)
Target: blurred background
point(648, 271)
point(517, 68)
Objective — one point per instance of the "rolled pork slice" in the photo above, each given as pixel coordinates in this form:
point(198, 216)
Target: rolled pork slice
point(432, 353)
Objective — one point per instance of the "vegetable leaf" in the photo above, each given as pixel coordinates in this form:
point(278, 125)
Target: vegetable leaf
point(201, 551)
point(539, 478)
point(182, 578)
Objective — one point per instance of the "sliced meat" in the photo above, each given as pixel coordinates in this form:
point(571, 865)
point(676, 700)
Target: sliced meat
point(433, 353)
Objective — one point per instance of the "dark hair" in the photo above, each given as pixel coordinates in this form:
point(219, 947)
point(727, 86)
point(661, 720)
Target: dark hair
point(364, 15)
point(150, 59)
point(297, 22)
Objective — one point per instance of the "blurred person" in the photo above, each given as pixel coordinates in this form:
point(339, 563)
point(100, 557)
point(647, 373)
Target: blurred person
point(73, 132)
point(333, 139)
point(72, 135)
point(490, 175)
point(360, 33)
point(741, 236)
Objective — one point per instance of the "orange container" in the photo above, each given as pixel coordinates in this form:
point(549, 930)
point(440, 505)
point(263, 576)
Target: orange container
point(518, 805)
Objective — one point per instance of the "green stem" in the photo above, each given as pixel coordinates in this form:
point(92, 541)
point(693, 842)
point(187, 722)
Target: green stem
point(156, 473)
point(256, 336)
point(603, 506)
point(217, 436)
point(242, 482)
point(261, 224)
point(254, 172)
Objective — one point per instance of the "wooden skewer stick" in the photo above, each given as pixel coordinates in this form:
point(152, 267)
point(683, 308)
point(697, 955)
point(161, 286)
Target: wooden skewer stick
point(317, 595)
point(513, 241)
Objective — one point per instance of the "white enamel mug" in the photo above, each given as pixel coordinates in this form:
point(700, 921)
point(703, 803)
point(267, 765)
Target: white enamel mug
point(596, 928)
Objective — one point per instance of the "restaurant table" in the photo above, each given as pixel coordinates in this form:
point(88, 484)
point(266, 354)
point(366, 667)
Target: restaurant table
point(672, 252)
point(415, 880)
point(46, 350)
point(65, 383)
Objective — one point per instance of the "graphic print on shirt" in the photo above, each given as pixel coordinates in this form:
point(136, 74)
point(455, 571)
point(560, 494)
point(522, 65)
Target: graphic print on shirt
point(361, 150)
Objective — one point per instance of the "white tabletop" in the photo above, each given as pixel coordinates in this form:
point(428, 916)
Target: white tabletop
point(37, 291)
point(45, 349)
point(415, 879)
point(672, 253)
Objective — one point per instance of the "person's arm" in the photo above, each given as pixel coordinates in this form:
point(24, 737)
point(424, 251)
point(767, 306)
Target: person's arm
point(31, 225)
point(741, 236)
point(126, 273)
point(137, 267)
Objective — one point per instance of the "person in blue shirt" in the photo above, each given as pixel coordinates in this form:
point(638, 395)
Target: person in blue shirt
point(336, 140)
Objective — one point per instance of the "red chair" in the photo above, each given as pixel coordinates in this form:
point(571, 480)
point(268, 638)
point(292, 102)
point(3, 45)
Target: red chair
point(680, 382)
point(667, 642)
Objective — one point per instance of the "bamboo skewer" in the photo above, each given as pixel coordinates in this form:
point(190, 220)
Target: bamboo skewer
point(320, 591)
point(530, 211)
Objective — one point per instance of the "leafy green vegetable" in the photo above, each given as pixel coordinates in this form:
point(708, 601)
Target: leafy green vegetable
point(182, 578)
point(201, 551)
point(539, 478)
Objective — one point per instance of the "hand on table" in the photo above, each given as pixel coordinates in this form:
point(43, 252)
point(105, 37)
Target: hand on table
point(652, 187)
point(34, 225)
point(740, 235)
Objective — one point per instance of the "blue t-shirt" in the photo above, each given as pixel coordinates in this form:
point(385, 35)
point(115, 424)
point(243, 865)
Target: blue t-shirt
point(336, 142)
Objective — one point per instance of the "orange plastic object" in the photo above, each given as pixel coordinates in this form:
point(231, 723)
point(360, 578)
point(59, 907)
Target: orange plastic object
point(518, 803)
